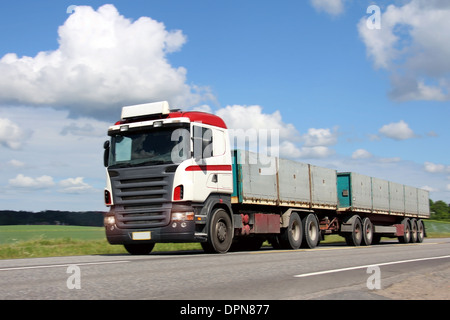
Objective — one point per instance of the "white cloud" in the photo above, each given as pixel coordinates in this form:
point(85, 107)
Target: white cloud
point(16, 163)
point(103, 61)
point(436, 168)
point(413, 46)
point(246, 117)
point(74, 185)
point(430, 189)
point(332, 7)
point(11, 135)
point(251, 121)
point(361, 154)
point(22, 181)
point(397, 131)
point(319, 137)
point(317, 152)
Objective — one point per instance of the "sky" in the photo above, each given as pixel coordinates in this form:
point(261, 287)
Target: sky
point(359, 86)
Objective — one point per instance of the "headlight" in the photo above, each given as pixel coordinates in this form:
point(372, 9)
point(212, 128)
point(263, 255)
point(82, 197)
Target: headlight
point(109, 220)
point(182, 216)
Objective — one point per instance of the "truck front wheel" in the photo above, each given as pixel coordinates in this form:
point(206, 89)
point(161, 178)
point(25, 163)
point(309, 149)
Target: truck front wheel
point(220, 235)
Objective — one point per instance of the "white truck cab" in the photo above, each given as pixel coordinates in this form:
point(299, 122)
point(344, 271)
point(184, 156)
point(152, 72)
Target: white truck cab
point(165, 169)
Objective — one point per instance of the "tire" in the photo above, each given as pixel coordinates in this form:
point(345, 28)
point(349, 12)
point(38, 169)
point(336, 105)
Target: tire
point(220, 235)
point(407, 234)
point(367, 232)
point(139, 248)
point(291, 237)
point(413, 223)
point(311, 233)
point(420, 231)
point(354, 238)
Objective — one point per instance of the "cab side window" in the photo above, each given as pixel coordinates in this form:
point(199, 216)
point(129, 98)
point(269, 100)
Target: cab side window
point(203, 143)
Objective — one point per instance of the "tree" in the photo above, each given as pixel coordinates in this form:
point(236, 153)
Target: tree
point(439, 210)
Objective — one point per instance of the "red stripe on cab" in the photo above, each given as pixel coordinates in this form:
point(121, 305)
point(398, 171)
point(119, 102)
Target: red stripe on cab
point(220, 167)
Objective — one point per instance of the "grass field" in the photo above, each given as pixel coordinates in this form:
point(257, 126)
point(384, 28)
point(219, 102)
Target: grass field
point(45, 241)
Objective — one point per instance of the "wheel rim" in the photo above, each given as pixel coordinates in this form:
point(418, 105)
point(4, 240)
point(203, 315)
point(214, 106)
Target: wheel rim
point(420, 232)
point(369, 232)
point(295, 231)
point(358, 233)
point(221, 231)
point(312, 230)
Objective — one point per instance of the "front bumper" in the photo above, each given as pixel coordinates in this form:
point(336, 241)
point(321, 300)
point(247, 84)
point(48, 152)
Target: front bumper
point(176, 231)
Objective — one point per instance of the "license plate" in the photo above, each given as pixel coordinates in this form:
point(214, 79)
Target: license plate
point(145, 235)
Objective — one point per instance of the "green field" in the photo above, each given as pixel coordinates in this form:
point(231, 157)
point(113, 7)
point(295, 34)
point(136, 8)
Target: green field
point(49, 240)
point(14, 234)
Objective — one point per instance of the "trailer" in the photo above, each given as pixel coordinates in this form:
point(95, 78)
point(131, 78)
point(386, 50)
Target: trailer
point(172, 177)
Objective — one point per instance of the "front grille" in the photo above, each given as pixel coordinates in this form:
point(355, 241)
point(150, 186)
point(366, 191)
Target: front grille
point(142, 196)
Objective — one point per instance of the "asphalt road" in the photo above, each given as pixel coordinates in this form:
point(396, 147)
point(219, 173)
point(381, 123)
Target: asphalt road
point(386, 271)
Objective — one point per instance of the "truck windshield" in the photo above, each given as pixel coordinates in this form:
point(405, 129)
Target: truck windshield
point(163, 145)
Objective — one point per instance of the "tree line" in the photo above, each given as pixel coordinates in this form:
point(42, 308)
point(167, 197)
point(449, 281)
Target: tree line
point(439, 210)
point(52, 217)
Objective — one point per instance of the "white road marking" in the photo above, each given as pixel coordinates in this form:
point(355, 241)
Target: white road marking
point(367, 266)
point(62, 265)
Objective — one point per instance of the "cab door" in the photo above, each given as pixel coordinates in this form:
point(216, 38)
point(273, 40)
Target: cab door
point(212, 169)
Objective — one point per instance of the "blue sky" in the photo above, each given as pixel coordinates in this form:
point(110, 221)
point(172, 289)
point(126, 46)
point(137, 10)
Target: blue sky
point(342, 95)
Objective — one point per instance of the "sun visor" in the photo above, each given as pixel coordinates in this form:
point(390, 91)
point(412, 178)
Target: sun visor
point(145, 109)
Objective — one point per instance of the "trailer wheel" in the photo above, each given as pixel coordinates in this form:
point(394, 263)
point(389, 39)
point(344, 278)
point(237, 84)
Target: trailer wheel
point(220, 235)
point(413, 223)
point(291, 237)
point(420, 231)
point(367, 232)
point(310, 231)
point(139, 248)
point(407, 234)
point(354, 238)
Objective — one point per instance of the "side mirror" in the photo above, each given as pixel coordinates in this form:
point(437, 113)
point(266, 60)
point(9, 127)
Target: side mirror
point(106, 153)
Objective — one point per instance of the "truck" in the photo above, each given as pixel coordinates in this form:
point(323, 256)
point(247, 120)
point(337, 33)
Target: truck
point(172, 176)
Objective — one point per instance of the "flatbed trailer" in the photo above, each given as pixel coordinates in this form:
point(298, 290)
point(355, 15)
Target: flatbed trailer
point(360, 208)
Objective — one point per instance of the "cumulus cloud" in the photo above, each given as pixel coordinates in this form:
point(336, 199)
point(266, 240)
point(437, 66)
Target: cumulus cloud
point(251, 122)
point(414, 48)
point(332, 7)
point(319, 137)
point(74, 185)
point(103, 61)
point(361, 154)
point(22, 181)
point(11, 135)
point(436, 168)
point(16, 163)
point(245, 117)
point(397, 131)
